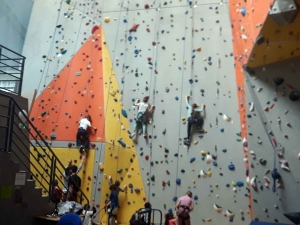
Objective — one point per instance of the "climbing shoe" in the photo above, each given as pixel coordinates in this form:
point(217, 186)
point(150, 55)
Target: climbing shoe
point(132, 135)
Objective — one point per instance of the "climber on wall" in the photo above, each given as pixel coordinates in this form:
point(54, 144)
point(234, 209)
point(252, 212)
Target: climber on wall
point(114, 204)
point(183, 207)
point(143, 108)
point(117, 184)
point(82, 137)
point(192, 119)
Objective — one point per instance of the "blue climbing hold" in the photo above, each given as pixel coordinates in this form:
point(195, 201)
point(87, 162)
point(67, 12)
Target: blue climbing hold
point(249, 116)
point(239, 183)
point(116, 100)
point(220, 113)
point(174, 198)
point(239, 134)
point(178, 181)
point(130, 38)
point(192, 159)
point(32, 119)
point(176, 98)
point(222, 129)
point(227, 185)
point(196, 197)
point(243, 11)
point(191, 81)
point(215, 163)
point(124, 113)
point(136, 51)
point(176, 154)
point(125, 21)
point(231, 219)
point(231, 166)
point(182, 171)
point(224, 150)
point(63, 52)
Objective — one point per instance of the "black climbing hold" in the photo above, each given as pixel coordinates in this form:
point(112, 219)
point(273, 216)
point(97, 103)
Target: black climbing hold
point(294, 96)
point(260, 40)
point(278, 81)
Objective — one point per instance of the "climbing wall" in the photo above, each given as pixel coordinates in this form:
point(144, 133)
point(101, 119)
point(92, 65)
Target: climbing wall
point(280, 117)
point(98, 57)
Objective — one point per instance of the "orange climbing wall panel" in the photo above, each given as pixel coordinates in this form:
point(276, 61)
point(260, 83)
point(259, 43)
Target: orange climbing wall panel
point(245, 30)
point(77, 89)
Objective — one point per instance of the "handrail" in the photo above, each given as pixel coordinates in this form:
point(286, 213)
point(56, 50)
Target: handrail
point(40, 146)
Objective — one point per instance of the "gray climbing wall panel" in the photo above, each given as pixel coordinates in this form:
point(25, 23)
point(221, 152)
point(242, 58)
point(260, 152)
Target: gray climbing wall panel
point(288, 111)
point(171, 57)
point(185, 49)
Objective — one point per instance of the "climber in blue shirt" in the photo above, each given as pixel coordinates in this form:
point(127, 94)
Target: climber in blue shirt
point(114, 204)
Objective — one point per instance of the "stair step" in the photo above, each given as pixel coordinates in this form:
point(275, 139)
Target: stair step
point(45, 196)
point(38, 188)
point(22, 171)
point(29, 180)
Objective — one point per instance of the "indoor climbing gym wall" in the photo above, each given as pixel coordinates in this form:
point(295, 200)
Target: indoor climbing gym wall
point(98, 57)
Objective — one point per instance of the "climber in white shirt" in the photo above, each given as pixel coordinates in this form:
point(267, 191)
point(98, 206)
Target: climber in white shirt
point(143, 108)
point(82, 137)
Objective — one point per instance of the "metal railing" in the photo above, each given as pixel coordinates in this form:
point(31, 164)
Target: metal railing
point(20, 137)
point(11, 70)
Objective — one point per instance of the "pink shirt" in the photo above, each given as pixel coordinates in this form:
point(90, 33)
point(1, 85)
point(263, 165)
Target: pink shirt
point(185, 200)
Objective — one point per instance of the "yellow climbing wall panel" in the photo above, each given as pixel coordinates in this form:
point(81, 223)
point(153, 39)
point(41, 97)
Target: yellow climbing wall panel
point(283, 43)
point(64, 154)
point(116, 157)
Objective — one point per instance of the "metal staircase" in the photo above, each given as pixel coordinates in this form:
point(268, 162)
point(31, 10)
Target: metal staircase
point(23, 141)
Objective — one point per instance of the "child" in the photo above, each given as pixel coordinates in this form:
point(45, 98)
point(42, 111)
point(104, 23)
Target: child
point(88, 214)
point(143, 108)
point(170, 218)
point(192, 120)
point(82, 137)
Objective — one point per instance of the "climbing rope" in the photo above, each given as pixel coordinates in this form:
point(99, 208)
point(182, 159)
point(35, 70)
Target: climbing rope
point(153, 71)
point(182, 98)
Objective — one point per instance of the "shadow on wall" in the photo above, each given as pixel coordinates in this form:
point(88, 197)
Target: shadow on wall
point(281, 116)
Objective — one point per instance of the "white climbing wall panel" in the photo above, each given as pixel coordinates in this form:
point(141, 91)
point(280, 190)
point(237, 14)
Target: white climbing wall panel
point(159, 56)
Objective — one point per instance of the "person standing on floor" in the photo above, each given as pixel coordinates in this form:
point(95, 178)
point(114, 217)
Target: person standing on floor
point(74, 184)
point(184, 206)
point(192, 119)
point(143, 108)
point(67, 173)
point(114, 204)
point(82, 136)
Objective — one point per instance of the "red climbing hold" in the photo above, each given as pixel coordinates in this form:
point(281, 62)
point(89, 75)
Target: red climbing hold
point(290, 86)
point(149, 58)
point(148, 30)
point(153, 43)
point(134, 28)
point(168, 172)
point(70, 145)
point(146, 6)
point(147, 157)
point(95, 28)
point(163, 183)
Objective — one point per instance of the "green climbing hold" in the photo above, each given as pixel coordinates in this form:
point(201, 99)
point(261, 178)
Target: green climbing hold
point(165, 3)
point(131, 160)
point(166, 161)
point(243, 218)
point(255, 200)
point(202, 20)
point(168, 183)
point(153, 194)
point(119, 170)
point(68, 2)
point(252, 166)
point(136, 74)
point(43, 113)
point(248, 189)
point(239, 140)
point(163, 47)
point(128, 203)
point(153, 178)
point(156, 162)
point(167, 150)
point(146, 88)
point(121, 178)
point(165, 206)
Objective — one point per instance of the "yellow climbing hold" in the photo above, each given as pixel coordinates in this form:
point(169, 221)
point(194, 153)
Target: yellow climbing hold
point(101, 167)
point(216, 185)
point(183, 118)
point(106, 19)
point(203, 153)
point(194, 181)
point(233, 183)
point(208, 219)
point(198, 49)
point(209, 173)
point(195, 142)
